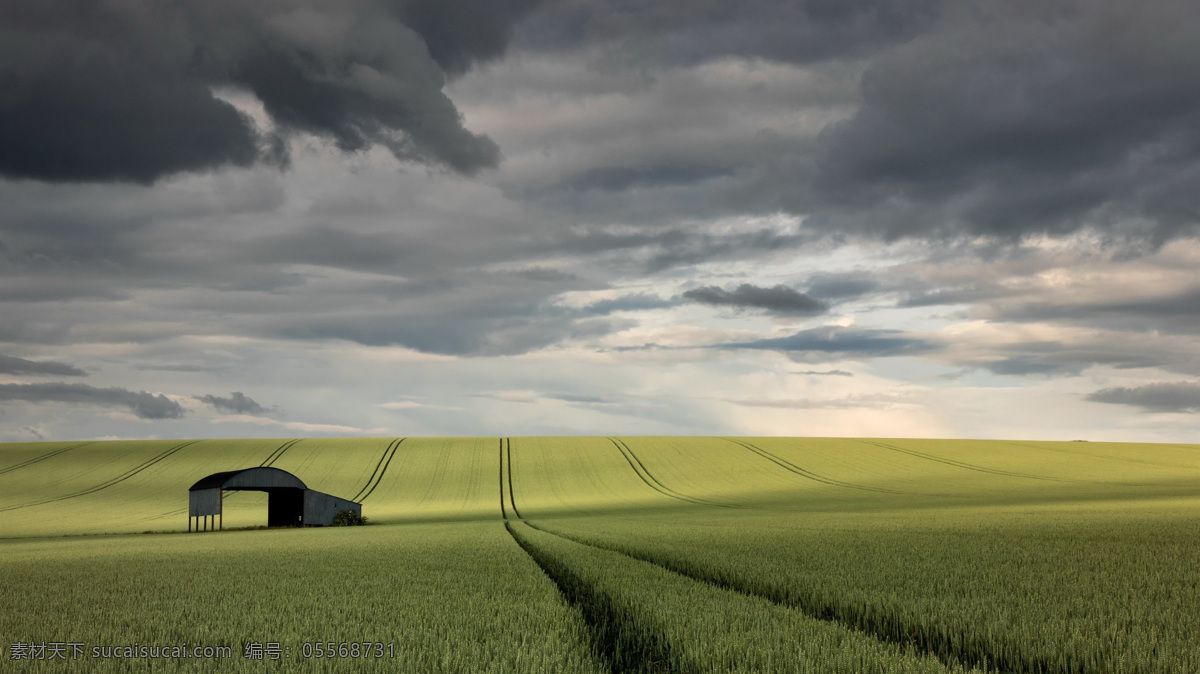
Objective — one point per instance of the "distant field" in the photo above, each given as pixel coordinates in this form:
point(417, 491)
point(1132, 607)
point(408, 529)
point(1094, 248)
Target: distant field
point(619, 554)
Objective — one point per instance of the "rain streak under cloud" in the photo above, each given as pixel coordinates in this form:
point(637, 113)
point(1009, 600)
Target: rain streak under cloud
point(452, 217)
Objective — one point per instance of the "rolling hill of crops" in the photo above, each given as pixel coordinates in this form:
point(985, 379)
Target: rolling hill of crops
point(617, 554)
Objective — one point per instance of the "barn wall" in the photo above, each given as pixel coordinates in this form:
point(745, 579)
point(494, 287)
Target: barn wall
point(204, 502)
point(321, 508)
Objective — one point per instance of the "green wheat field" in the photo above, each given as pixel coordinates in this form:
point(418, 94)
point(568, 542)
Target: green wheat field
point(634, 554)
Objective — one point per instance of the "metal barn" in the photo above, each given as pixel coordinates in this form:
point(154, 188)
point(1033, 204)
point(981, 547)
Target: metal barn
point(289, 501)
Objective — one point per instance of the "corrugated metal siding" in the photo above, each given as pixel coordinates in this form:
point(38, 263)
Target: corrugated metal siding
point(321, 508)
point(259, 478)
point(204, 502)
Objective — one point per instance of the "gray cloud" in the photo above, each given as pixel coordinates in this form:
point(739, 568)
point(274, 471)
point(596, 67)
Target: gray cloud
point(482, 328)
point(1160, 397)
point(1176, 313)
point(827, 373)
point(841, 286)
point(14, 365)
point(125, 91)
point(578, 398)
point(143, 404)
point(621, 178)
point(236, 403)
point(959, 129)
point(326, 246)
point(778, 299)
point(970, 293)
point(842, 342)
point(682, 33)
point(635, 302)
point(965, 129)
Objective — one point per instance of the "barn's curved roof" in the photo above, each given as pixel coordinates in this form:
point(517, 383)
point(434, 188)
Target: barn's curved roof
point(249, 478)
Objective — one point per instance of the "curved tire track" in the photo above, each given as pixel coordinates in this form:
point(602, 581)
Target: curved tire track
point(639, 650)
point(503, 513)
point(952, 650)
point(793, 468)
point(638, 467)
point(623, 650)
point(394, 446)
point(378, 465)
point(266, 463)
point(274, 456)
point(48, 455)
point(112, 481)
point(971, 466)
point(512, 499)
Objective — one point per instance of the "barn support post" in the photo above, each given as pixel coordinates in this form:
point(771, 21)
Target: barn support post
point(221, 512)
point(189, 524)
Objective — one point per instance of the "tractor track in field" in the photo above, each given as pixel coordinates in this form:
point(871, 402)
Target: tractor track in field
point(624, 651)
point(793, 468)
point(111, 481)
point(650, 651)
point(381, 468)
point(37, 459)
point(378, 464)
point(266, 463)
point(511, 498)
point(638, 467)
point(1091, 455)
point(982, 469)
point(503, 512)
point(279, 451)
point(952, 650)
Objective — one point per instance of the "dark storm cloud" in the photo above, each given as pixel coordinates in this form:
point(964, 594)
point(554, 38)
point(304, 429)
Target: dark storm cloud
point(143, 404)
point(1021, 117)
point(684, 33)
point(124, 91)
point(460, 33)
point(842, 342)
point(996, 119)
point(236, 403)
point(779, 299)
point(1161, 397)
point(14, 365)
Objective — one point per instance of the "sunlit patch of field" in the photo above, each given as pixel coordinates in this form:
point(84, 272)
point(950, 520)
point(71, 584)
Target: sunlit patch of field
point(628, 553)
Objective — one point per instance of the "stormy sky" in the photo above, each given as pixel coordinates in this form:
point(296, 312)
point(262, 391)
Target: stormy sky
point(906, 218)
